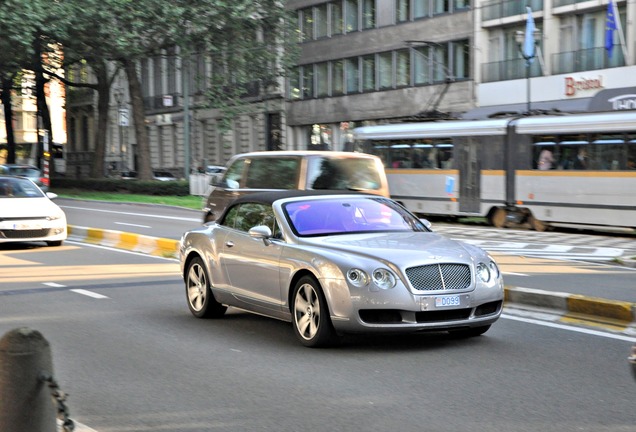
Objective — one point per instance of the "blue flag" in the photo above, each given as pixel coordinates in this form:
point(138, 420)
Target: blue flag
point(610, 26)
point(528, 43)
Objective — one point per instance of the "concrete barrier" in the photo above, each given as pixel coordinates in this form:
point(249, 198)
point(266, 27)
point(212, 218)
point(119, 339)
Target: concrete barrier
point(164, 247)
point(25, 399)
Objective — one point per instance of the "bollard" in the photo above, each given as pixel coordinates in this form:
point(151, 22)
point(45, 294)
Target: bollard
point(25, 400)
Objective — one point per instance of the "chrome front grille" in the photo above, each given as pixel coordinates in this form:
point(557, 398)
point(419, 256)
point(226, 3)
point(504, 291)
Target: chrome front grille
point(439, 277)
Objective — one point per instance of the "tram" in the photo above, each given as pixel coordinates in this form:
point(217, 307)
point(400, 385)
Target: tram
point(532, 171)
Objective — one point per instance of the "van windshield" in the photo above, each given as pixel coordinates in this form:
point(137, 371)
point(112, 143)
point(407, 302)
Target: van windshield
point(342, 174)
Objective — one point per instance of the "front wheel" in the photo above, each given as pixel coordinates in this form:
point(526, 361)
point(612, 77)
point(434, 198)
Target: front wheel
point(310, 314)
point(201, 301)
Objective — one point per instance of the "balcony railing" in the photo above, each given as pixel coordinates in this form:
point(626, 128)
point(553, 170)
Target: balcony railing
point(500, 9)
point(587, 59)
point(509, 70)
point(558, 3)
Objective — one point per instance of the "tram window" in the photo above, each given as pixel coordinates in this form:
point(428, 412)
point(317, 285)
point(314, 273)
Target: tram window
point(631, 155)
point(445, 156)
point(400, 156)
point(569, 153)
point(606, 154)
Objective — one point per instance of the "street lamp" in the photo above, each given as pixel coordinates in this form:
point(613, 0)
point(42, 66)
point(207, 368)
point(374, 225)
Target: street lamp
point(520, 37)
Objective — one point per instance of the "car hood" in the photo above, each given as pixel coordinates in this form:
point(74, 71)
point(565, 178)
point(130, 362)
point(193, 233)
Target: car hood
point(405, 248)
point(28, 207)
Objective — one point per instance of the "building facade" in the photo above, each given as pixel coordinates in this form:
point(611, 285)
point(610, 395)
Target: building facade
point(365, 62)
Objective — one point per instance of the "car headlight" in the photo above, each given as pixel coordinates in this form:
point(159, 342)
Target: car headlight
point(357, 277)
point(494, 269)
point(483, 272)
point(384, 278)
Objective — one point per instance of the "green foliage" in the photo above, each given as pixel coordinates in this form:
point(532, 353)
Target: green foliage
point(143, 187)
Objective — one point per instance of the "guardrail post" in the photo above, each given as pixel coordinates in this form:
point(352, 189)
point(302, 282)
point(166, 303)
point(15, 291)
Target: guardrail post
point(25, 400)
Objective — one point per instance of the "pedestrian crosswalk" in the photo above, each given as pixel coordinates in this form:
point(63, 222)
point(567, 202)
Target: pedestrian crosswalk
point(543, 244)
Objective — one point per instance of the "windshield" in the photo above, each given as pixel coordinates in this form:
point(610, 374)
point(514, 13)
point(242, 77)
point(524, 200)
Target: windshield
point(18, 188)
point(349, 215)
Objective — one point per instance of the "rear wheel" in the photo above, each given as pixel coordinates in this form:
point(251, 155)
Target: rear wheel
point(498, 217)
point(201, 301)
point(310, 314)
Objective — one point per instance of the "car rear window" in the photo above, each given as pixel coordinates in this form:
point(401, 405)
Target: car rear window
point(343, 174)
point(273, 173)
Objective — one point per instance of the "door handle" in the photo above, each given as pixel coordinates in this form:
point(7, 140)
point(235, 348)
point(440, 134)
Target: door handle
point(229, 244)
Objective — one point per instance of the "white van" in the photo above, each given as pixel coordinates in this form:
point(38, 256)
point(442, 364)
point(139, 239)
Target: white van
point(302, 170)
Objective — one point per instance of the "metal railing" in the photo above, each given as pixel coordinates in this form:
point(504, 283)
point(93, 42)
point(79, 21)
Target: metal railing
point(509, 70)
point(500, 9)
point(587, 59)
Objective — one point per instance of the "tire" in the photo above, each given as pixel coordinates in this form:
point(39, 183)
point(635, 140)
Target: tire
point(536, 224)
point(201, 301)
point(310, 314)
point(498, 218)
point(469, 332)
point(55, 243)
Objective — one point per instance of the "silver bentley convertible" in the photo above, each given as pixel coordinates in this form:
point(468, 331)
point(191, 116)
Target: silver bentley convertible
point(338, 263)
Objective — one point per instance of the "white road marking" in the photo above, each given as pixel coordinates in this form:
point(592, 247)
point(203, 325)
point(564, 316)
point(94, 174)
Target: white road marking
point(152, 215)
point(133, 225)
point(53, 284)
point(514, 274)
point(569, 328)
point(89, 293)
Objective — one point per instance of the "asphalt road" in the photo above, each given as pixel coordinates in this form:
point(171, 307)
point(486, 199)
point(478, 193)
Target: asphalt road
point(133, 359)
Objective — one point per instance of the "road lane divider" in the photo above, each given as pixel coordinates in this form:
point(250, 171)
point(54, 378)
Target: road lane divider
point(167, 248)
point(614, 315)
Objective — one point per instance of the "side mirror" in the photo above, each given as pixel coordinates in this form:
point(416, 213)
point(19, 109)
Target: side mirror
point(261, 232)
point(51, 195)
point(427, 223)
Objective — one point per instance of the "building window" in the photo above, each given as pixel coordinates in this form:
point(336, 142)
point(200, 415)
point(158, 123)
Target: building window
point(294, 84)
point(461, 59)
point(337, 77)
point(421, 65)
point(352, 75)
point(337, 19)
point(441, 6)
point(402, 10)
point(402, 68)
point(440, 63)
point(368, 73)
point(322, 20)
point(368, 14)
point(308, 82)
point(420, 8)
point(385, 70)
point(322, 79)
point(351, 16)
point(459, 5)
point(307, 20)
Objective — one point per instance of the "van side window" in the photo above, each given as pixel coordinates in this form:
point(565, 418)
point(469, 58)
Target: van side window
point(234, 173)
point(273, 173)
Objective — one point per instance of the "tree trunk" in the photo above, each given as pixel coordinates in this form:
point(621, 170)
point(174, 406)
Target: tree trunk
point(42, 107)
point(5, 96)
point(103, 104)
point(144, 169)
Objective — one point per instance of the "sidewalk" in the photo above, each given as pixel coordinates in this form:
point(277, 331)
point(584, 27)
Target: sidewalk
point(614, 315)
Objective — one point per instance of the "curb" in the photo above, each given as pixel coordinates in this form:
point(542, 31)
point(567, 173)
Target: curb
point(167, 248)
point(618, 315)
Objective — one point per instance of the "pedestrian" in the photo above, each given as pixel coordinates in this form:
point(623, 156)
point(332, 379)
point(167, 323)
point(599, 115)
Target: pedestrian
point(545, 160)
point(581, 160)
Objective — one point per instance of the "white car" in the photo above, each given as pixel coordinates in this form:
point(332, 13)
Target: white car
point(27, 214)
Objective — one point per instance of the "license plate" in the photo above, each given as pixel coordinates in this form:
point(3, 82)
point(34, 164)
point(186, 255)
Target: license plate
point(24, 226)
point(446, 301)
